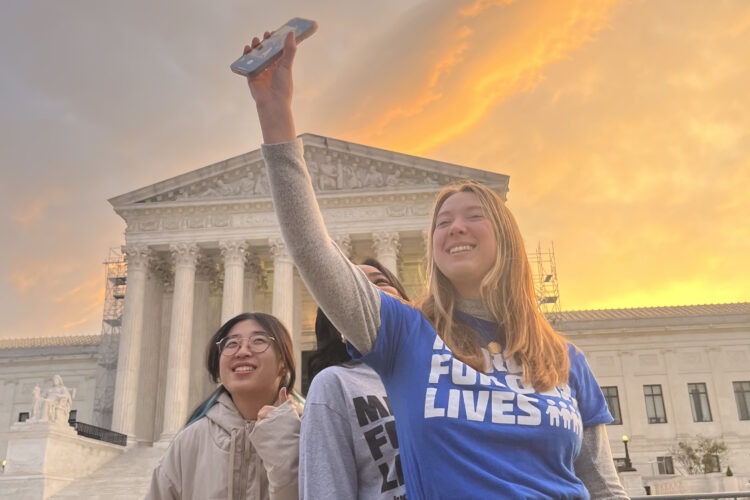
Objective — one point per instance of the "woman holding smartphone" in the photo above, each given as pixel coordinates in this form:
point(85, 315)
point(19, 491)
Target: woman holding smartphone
point(490, 401)
point(348, 446)
point(247, 444)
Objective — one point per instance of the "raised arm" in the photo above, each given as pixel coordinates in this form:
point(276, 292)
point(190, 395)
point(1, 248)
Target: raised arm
point(272, 91)
point(340, 288)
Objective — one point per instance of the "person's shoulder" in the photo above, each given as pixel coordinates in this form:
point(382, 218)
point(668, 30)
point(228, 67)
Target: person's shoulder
point(579, 371)
point(325, 380)
point(397, 307)
point(185, 445)
point(575, 353)
point(397, 301)
point(192, 432)
point(339, 380)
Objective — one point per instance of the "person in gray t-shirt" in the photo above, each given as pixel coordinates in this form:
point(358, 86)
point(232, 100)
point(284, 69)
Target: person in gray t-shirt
point(348, 443)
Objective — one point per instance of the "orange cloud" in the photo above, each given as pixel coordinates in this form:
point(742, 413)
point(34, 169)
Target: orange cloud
point(480, 6)
point(29, 215)
point(22, 280)
point(633, 154)
point(70, 304)
point(464, 65)
point(31, 212)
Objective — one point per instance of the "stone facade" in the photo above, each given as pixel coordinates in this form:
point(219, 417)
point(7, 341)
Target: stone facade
point(653, 357)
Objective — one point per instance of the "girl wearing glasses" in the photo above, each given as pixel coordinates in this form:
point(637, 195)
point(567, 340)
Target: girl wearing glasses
point(348, 445)
point(490, 401)
point(247, 443)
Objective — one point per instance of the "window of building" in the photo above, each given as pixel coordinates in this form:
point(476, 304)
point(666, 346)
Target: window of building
point(23, 416)
point(711, 464)
point(72, 417)
point(665, 464)
point(654, 404)
point(699, 402)
point(742, 395)
point(613, 402)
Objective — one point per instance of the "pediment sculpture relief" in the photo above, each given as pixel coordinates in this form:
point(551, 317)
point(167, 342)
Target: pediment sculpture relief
point(328, 173)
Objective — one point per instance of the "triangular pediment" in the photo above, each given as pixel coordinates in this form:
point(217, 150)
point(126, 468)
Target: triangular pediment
point(335, 166)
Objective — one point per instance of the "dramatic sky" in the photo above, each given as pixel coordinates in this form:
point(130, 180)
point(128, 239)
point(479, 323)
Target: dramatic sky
point(623, 125)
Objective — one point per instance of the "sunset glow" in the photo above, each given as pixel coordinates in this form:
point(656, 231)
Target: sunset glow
point(623, 126)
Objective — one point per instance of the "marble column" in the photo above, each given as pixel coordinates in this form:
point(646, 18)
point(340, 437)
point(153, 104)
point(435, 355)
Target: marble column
point(203, 329)
point(386, 247)
point(131, 330)
point(285, 298)
point(180, 333)
point(283, 284)
point(234, 278)
point(248, 298)
point(167, 299)
point(252, 277)
point(344, 242)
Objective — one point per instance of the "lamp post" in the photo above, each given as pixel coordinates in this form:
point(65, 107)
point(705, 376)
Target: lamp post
point(628, 464)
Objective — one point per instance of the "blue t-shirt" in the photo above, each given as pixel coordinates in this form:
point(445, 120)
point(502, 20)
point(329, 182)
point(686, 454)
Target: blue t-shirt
point(464, 434)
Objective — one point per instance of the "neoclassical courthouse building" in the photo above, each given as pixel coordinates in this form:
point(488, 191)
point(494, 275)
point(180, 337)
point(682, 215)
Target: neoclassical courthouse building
point(204, 246)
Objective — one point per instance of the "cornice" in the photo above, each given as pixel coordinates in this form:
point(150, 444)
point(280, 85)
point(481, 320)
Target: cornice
point(654, 334)
point(266, 205)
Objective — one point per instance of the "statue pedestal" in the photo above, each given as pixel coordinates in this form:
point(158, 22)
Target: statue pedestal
point(43, 458)
point(633, 483)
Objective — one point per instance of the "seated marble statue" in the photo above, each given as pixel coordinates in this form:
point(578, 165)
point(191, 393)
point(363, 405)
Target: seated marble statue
point(55, 406)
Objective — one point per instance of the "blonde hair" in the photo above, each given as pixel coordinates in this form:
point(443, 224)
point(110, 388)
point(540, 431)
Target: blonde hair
point(507, 290)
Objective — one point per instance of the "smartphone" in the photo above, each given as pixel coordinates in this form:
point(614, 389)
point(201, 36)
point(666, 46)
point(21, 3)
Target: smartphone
point(270, 49)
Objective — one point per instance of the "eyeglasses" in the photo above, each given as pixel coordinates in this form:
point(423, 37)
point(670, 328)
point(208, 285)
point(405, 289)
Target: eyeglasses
point(228, 346)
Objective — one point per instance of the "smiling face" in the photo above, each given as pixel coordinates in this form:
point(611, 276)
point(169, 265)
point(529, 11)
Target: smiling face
point(380, 280)
point(464, 246)
point(248, 373)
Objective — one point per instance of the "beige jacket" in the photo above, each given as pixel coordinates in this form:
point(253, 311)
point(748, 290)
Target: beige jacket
point(223, 456)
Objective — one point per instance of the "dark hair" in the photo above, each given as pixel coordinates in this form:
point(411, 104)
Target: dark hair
point(395, 283)
point(331, 349)
point(201, 410)
point(273, 327)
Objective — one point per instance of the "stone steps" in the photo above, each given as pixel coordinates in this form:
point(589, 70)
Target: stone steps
point(125, 477)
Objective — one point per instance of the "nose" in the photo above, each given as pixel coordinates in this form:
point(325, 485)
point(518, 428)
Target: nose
point(244, 349)
point(457, 226)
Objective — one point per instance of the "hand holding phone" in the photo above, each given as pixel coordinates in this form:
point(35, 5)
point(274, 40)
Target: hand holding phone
point(269, 50)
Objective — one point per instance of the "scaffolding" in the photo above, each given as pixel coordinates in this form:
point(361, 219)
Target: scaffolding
point(545, 279)
point(115, 271)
